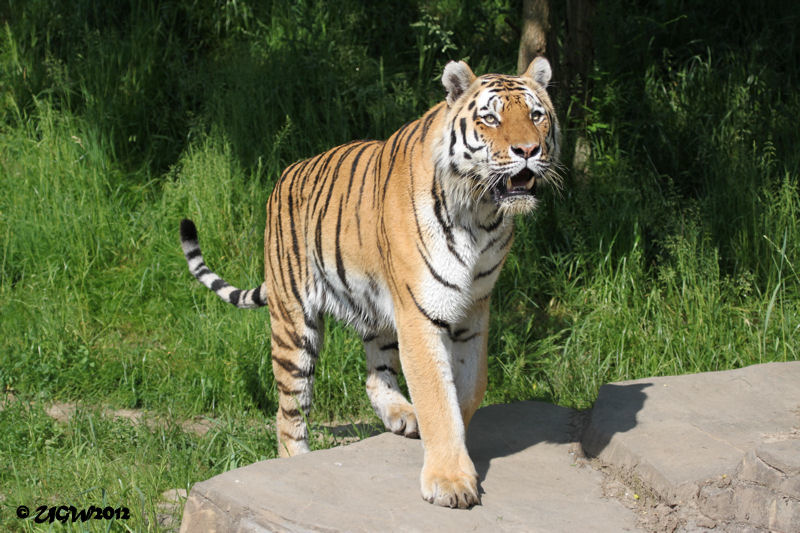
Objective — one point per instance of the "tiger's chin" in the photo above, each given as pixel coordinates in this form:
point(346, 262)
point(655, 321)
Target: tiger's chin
point(515, 195)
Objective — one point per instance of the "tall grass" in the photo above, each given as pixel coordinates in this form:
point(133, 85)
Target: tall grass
point(679, 253)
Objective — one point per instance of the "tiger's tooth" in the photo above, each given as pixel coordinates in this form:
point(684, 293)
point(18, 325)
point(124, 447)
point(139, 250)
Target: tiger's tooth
point(530, 182)
point(509, 184)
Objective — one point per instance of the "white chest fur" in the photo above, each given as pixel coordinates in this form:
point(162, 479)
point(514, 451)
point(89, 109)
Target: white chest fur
point(463, 253)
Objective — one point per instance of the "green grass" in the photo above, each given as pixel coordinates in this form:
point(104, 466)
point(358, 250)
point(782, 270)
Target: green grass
point(679, 254)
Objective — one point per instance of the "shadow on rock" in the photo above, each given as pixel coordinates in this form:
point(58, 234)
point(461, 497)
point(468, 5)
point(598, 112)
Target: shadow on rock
point(614, 412)
point(503, 430)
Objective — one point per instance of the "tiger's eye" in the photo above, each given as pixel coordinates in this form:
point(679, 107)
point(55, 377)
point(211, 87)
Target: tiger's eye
point(537, 117)
point(490, 120)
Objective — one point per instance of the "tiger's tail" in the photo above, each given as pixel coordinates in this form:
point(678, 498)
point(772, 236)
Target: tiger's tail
point(244, 299)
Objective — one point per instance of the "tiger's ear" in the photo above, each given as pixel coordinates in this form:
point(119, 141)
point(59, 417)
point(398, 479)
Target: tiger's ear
point(539, 71)
point(456, 78)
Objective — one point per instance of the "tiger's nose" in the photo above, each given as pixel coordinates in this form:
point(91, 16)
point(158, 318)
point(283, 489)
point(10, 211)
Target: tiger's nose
point(526, 151)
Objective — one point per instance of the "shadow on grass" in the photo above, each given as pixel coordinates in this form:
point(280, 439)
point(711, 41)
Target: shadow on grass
point(503, 430)
point(354, 431)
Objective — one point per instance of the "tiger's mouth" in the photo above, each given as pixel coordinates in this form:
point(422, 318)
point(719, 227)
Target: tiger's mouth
point(520, 184)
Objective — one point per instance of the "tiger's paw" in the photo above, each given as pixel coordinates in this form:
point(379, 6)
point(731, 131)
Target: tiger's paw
point(402, 420)
point(450, 488)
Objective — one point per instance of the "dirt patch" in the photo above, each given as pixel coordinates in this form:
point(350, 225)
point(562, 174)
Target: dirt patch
point(758, 498)
point(652, 513)
point(197, 425)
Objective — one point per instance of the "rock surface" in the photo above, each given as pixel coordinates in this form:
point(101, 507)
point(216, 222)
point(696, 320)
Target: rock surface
point(716, 450)
point(723, 444)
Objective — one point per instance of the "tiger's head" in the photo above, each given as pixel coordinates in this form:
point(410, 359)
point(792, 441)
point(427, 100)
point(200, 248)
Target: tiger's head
point(501, 138)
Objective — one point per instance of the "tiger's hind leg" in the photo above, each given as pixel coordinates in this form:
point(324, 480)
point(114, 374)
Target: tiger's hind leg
point(296, 339)
point(383, 364)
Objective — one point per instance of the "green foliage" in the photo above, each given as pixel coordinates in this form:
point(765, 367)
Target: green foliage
point(678, 254)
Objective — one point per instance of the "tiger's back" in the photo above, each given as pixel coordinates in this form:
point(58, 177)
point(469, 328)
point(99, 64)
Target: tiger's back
point(404, 240)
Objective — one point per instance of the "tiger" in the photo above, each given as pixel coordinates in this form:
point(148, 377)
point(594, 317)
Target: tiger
point(403, 240)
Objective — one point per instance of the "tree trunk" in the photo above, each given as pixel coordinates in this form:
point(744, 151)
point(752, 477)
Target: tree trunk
point(579, 54)
point(535, 27)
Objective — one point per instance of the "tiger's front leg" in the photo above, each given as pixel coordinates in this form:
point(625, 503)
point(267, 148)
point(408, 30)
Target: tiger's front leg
point(383, 364)
point(470, 358)
point(448, 475)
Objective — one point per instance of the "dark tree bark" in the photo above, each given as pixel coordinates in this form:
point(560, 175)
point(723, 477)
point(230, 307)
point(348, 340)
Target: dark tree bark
point(578, 56)
point(534, 32)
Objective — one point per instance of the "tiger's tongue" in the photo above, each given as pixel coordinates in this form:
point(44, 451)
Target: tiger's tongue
point(522, 180)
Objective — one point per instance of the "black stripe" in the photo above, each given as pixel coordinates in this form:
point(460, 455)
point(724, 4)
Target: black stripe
point(256, 296)
point(361, 191)
point(309, 347)
point(390, 346)
point(410, 135)
point(353, 167)
point(494, 241)
point(233, 297)
point(428, 121)
point(295, 339)
point(435, 274)
point(293, 369)
point(508, 239)
point(384, 368)
point(295, 249)
point(318, 244)
point(326, 205)
point(334, 173)
point(320, 178)
point(294, 413)
point(284, 312)
point(218, 284)
point(436, 322)
point(201, 271)
point(338, 250)
point(493, 226)
point(331, 292)
point(310, 322)
point(194, 253)
point(280, 342)
point(487, 272)
point(287, 391)
point(463, 125)
point(448, 232)
point(395, 147)
point(414, 211)
point(292, 280)
point(289, 177)
point(285, 435)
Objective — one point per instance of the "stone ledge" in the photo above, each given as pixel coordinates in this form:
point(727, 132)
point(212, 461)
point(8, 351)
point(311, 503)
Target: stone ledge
point(529, 482)
point(719, 450)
